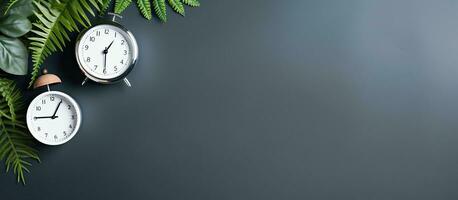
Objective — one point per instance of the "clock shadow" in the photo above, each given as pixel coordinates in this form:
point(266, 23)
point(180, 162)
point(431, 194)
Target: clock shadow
point(45, 152)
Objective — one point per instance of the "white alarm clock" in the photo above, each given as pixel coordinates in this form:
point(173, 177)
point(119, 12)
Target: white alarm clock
point(53, 117)
point(106, 52)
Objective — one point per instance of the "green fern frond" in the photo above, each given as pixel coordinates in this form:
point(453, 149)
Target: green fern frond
point(11, 97)
point(145, 8)
point(192, 3)
point(104, 7)
point(55, 20)
point(177, 6)
point(121, 5)
point(160, 9)
point(14, 138)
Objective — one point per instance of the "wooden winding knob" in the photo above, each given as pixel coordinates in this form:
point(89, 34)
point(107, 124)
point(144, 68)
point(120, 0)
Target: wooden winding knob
point(46, 79)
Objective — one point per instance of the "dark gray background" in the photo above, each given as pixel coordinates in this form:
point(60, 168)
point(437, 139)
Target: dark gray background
point(288, 99)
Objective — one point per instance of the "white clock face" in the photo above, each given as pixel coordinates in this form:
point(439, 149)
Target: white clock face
point(53, 118)
point(105, 51)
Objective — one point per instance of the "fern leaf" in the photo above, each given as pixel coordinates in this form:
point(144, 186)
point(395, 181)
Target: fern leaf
point(104, 7)
point(160, 9)
point(11, 98)
point(55, 21)
point(192, 3)
point(145, 8)
point(177, 6)
point(121, 5)
point(14, 140)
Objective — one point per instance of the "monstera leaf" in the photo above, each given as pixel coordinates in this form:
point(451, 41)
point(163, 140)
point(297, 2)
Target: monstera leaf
point(13, 56)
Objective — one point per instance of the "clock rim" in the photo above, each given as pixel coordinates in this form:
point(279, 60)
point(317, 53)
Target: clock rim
point(78, 118)
point(134, 50)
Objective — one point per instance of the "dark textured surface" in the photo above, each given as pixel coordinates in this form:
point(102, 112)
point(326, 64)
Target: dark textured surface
point(258, 99)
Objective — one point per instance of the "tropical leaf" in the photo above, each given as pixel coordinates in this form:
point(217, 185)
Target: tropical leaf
point(6, 8)
point(13, 56)
point(15, 141)
point(21, 7)
point(145, 8)
point(192, 3)
point(177, 6)
point(160, 9)
point(15, 25)
point(121, 5)
point(55, 21)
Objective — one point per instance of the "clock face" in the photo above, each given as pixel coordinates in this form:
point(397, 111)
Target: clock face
point(106, 51)
point(53, 118)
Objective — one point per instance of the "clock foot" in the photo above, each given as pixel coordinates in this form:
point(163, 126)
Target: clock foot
point(127, 82)
point(84, 81)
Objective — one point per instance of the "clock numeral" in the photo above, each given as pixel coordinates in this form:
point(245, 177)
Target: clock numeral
point(46, 134)
point(95, 67)
point(38, 129)
point(73, 116)
point(122, 42)
point(69, 107)
point(125, 52)
point(115, 34)
point(122, 62)
point(70, 126)
point(43, 101)
point(38, 108)
point(92, 39)
point(86, 47)
point(55, 137)
point(51, 98)
point(107, 31)
point(88, 59)
point(115, 68)
point(65, 133)
point(104, 71)
point(97, 33)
